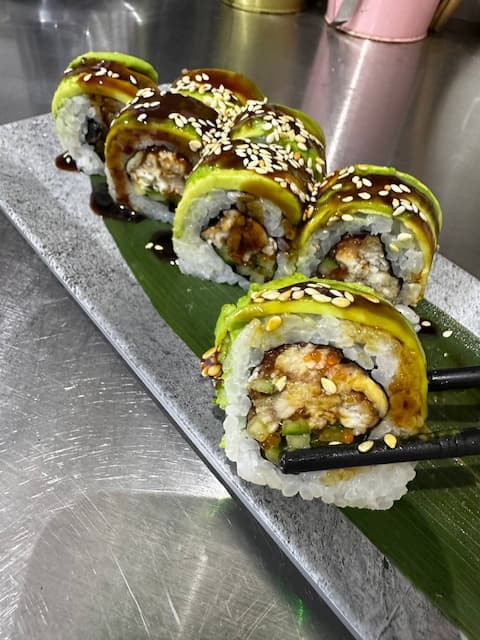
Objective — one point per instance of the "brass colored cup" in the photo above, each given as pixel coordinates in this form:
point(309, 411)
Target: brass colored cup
point(268, 6)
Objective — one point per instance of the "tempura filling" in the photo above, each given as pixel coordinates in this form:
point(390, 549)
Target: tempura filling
point(243, 243)
point(361, 259)
point(304, 395)
point(158, 173)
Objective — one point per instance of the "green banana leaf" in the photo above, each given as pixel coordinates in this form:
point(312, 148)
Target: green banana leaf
point(433, 534)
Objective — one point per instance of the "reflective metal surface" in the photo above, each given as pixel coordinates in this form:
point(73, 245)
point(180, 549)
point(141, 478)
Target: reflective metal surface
point(110, 526)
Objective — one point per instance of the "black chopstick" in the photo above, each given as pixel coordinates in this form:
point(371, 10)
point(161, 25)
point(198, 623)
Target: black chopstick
point(339, 456)
point(458, 378)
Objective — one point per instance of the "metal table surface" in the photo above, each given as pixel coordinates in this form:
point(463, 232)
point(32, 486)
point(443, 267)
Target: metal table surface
point(110, 525)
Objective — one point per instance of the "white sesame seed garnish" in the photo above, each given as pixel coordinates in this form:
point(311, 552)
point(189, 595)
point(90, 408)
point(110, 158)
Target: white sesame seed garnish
point(320, 297)
point(364, 195)
point(447, 333)
point(142, 117)
point(271, 294)
point(349, 296)
point(336, 187)
point(195, 145)
point(328, 385)
point(133, 80)
point(343, 303)
point(404, 187)
point(365, 446)
point(87, 77)
point(296, 295)
point(395, 203)
point(383, 193)
point(399, 210)
point(273, 323)
point(149, 245)
point(404, 236)
point(334, 442)
point(347, 199)
point(367, 182)
point(390, 440)
point(347, 217)
point(285, 295)
point(396, 188)
point(302, 146)
point(158, 247)
point(426, 323)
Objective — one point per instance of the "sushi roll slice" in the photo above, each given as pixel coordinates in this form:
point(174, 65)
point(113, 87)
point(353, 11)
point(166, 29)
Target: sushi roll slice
point(224, 90)
point(238, 216)
point(375, 226)
point(305, 362)
point(277, 124)
point(93, 89)
point(151, 148)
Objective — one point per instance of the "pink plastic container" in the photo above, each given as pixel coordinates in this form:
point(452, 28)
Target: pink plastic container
point(386, 20)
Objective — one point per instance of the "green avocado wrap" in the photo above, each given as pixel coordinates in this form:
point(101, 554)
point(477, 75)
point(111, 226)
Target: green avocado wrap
point(151, 148)
point(238, 216)
point(93, 89)
point(373, 225)
point(299, 363)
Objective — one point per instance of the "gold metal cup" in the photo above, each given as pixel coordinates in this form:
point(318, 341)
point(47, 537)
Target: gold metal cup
point(268, 6)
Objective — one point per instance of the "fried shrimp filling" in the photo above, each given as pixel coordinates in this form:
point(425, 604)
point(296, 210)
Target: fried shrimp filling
point(303, 395)
point(158, 173)
point(361, 259)
point(243, 243)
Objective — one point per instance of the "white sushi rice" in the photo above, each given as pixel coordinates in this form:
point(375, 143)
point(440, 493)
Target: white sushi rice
point(375, 487)
point(71, 129)
point(400, 245)
point(198, 258)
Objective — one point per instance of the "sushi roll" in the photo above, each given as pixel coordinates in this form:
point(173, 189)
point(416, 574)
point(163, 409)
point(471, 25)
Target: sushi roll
point(238, 217)
point(375, 226)
point(93, 89)
point(225, 91)
point(151, 148)
point(277, 124)
point(302, 362)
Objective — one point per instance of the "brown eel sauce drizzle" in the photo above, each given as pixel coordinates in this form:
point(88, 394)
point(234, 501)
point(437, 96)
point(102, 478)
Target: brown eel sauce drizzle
point(65, 162)
point(101, 203)
point(163, 239)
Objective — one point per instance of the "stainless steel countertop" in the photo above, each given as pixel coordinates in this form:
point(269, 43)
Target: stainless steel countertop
point(110, 525)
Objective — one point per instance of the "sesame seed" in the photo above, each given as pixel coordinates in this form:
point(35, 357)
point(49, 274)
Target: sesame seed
point(390, 440)
point(383, 193)
point(364, 195)
point(328, 386)
point(341, 302)
point(133, 80)
point(284, 296)
point(214, 370)
point(347, 217)
point(447, 333)
point(209, 353)
point(337, 186)
point(309, 291)
point(142, 117)
point(195, 145)
point(271, 294)
point(370, 298)
point(302, 146)
point(396, 188)
point(395, 203)
point(334, 442)
point(404, 236)
point(365, 446)
point(273, 323)
point(399, 210)
point(296, 295)
point(149, 245)
point(320, 297)
point(426, 323)
point(158, 247)
point(367, 182)
point(347, 198)
point(87, 77)
point(404, 187)
point(349, 296)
